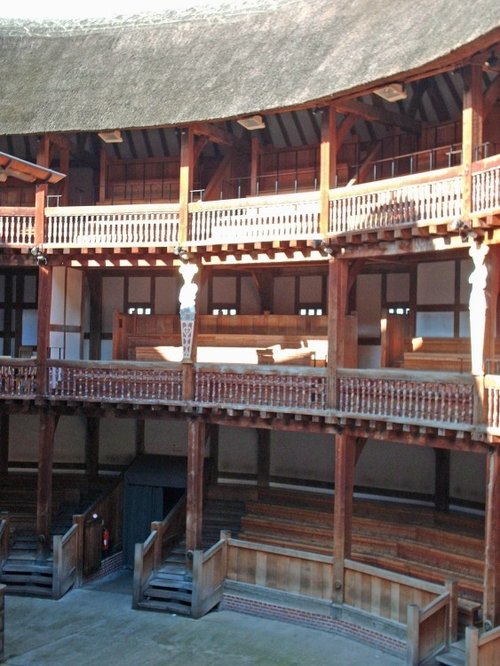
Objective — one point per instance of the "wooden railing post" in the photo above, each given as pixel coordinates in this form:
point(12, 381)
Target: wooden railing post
point(197, 571)
point(79, 521)
point(412, 640)
point(452, 587)
point(138, 572)
point(491, 585)
point(47, 427)
point(471, 646)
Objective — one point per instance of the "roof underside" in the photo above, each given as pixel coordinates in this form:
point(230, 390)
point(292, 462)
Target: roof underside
point(220, 61)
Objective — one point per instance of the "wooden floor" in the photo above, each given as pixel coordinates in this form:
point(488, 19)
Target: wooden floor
point(410, 539)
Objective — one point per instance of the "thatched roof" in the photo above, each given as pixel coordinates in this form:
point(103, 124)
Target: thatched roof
point(220, 60)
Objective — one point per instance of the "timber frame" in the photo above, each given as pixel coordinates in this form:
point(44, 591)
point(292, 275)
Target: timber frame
point(216, 204)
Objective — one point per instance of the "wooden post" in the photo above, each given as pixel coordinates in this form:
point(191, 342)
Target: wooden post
point(328, 166)
point(46, 432)
point(4, 445)
point(43, 326)
point(263, 457)
point(194, 506)
point(337, 303)
point(452, 587)
point(345, 453)
point(94, 281)
point(412, 635)
point(140, 431)
point(254, 167)
point(471, 646)
point(41, 189)
point(491, 587)
point(442, 479)
point(92, 447)
point(103, 174)
point(472, 130)
point(185, 182)
point(64, 167)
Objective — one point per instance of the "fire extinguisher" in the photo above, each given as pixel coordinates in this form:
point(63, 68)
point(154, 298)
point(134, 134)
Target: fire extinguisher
point(105, 539)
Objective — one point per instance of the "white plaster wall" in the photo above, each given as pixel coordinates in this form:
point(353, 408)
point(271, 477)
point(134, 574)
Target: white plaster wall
point(237, 450)
point(139, 289)
point(74, 295)
point(396, 466)
point(434, 324)
point(436, 283)
point(398, 288)
point(165, 295)
point(112, 299)
point(302, 456)
point(310, 288)
point(368, 304)
point(69, 441)
point(166, 437)
point(23, 438)
point(58, 295)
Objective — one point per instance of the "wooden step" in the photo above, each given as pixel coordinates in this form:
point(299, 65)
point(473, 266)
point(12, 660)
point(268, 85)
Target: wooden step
point(29, 590)
point(161, 593)
point(165, 607)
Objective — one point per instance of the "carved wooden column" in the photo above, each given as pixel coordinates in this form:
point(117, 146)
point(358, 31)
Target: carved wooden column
point(491, 587)
point(477, 311)
point(338, 272)
point(195, 460)
point(187, 312)
point(46, 432)
point(345, 459)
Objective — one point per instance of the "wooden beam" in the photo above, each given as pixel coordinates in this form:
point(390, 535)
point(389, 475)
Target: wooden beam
point(194, 507)
point(215, 134)
point(92, 446)
point(345, 452)
point(186, 177)
point(254, 164)
point(491, 587)
point(212, 190)
point(442, 479)
point(46, 432)
point(344, 128)
point(491, 96)
point(328, 168)
point(4, 444)
point(378, 115)
point(43, 325)
point(200, 144)
point(472, 131)
point(263, 457)
point(337, 304)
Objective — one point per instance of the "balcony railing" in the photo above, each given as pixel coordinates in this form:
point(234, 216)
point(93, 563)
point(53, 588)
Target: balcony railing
point(424, 199)
point(428, 198)
point(434, 399)
point(146, 225)
point(256, 219)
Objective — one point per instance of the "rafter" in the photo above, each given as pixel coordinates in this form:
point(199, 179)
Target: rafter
point(215, 134)
point(378, 115)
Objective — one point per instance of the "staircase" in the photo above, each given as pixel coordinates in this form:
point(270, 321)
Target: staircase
point(24, 572)
point(455, 656)
point(170, 587)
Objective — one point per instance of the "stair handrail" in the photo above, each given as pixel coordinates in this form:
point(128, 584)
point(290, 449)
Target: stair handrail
point(209, 574)
point(433, 628)
point(149, 556)
point(481, 649)
point(4, 536)
point(169, 530)
point(65, 555)
point(108, 506)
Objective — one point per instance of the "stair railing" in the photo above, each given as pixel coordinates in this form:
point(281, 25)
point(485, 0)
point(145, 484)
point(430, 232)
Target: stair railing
point(481, 649)
point(149, 556)
point(433, 628)
point(108, 510)
point(65, 554)
point(4, 536)
point(209, 574)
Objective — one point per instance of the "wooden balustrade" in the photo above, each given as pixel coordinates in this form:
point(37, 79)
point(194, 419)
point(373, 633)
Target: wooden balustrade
point(492, 399)
point(149, 556)
point(432, 628)
point(418, 398)
point(255, 219)
point(482, 649)
point(65, 569)
point(17, 226)
point(486, 186)
point(4, 536)
point(18, 378)
point(279, 568)
point(209, 574)
point(115, 381)
point(107, 510)
point(146, 225)
point(386, 594)
point(169, 530)
point(420, 199)
point(298, 388)
point(2, 621)
point(144, 565)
